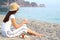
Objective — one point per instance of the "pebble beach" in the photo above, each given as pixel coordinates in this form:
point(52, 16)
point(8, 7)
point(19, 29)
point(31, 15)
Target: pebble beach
point(51, 31)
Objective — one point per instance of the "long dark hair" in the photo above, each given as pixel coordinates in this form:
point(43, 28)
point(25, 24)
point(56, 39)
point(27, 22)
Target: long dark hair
point(8, 15)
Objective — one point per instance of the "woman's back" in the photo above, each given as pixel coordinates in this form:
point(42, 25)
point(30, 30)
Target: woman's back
point(6, 26)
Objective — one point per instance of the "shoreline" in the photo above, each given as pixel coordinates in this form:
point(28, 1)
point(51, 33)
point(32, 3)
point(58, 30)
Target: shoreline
point(31, 19)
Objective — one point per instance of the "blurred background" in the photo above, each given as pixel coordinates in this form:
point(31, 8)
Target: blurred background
point(43, 10)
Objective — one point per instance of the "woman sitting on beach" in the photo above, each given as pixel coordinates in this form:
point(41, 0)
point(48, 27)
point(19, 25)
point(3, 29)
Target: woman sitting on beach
point(10, 20)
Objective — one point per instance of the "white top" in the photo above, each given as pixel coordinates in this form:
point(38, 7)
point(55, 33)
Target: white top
point(6, 26)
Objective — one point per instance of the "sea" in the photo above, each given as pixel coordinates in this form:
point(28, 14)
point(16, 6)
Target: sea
point(51, 15)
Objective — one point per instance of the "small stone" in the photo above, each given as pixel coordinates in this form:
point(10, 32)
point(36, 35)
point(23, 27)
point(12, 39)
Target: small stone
point(58, 34)
point(49, 30)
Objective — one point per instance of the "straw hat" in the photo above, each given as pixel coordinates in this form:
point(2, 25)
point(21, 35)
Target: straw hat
point(13, 6)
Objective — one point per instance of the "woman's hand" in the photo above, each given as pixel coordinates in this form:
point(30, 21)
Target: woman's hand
point(25, 21)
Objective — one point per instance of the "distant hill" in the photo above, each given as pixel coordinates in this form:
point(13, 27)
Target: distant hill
point(22, 3)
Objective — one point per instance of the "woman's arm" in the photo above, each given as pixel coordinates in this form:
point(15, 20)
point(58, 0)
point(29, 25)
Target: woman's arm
point(18, 25)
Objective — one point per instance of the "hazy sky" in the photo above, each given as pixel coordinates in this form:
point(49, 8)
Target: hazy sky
point(49, 3)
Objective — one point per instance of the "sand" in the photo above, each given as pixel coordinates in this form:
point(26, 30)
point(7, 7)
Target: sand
point(51, 31)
